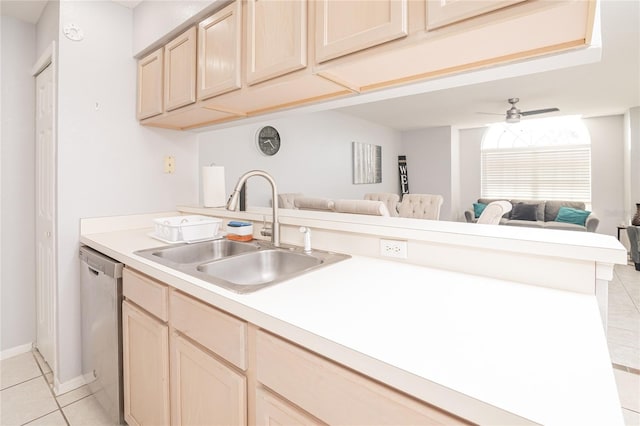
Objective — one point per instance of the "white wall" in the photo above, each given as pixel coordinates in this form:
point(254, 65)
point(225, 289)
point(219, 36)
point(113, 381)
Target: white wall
point(470, 172)
point(428, 154)
point(47, 27)
point(17, 264)
point(632, 161)
point(315, 156)
point(607, 171)
point(107, 163)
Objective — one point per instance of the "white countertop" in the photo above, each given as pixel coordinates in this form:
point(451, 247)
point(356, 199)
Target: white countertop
point(462, 342)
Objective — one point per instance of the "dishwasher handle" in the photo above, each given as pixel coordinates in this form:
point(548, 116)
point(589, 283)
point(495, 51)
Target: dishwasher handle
point(93, 270)
point(99, 263)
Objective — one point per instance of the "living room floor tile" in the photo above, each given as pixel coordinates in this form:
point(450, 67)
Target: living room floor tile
point(624, 337)
point(625, 355)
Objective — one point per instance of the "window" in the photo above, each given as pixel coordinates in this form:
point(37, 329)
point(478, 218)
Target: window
point(545, 159)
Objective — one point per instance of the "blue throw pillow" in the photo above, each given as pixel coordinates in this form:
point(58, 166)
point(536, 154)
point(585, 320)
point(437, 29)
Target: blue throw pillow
point(571, 215)
point(478, 208)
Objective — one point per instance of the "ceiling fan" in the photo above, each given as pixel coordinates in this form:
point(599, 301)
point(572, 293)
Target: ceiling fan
point(514, 114)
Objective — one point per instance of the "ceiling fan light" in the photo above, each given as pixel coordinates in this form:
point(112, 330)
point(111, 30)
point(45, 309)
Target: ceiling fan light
point(513, 119)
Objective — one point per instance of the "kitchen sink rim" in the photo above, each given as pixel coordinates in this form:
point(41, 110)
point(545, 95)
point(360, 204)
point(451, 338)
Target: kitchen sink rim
point(325, 258)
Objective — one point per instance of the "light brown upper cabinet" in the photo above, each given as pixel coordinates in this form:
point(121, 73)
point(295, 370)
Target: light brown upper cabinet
point(276, 38)
point(259, 56)
point(180, 71)
point(219, 46)
point(344, 27)
point(497, 33)
point(150, 85)
point(444, 12)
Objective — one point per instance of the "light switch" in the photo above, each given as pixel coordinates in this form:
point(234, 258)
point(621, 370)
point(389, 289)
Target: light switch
point(169, 164)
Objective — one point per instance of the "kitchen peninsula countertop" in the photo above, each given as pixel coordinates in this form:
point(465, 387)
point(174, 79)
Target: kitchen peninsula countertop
point(491, 351)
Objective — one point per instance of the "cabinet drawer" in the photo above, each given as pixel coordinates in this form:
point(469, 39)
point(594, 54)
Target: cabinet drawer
point(215, 330)
point(271, 410)
point(335, 394)
point(145, 292)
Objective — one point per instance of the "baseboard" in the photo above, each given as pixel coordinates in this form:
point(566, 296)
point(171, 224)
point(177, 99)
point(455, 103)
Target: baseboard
point(11, 352)
point(68, 386)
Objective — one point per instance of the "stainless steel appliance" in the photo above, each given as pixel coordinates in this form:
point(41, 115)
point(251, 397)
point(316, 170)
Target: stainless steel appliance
point(101, 295)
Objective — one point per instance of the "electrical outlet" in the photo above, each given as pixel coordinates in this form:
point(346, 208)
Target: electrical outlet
point(169, 164)
point(393, 248)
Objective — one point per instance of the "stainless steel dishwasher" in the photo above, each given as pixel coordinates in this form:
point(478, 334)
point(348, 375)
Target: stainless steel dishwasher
point(101, 295)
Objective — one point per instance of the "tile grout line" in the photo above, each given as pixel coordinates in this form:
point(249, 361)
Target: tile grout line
point(627, 291)
point(50, 389)
point(37, 418)
point(626, 368)
point(18, 384)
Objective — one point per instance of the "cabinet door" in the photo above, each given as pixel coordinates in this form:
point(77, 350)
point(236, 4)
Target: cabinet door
point(271, 410)
point(145, 353)
point(276, 38)
point(204, 391)
point(443, 12)
point(344, 27)
point(335, 394)
point(150, 85)
point(219, 45)
point(180, 71)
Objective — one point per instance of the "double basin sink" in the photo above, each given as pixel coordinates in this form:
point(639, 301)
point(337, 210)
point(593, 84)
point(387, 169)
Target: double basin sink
point(242, 267)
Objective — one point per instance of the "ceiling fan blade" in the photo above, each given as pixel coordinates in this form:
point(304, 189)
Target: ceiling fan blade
point(539, 111)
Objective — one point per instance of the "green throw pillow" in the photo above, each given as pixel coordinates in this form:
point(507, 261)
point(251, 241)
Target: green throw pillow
point(478, 208)
point(571, 215)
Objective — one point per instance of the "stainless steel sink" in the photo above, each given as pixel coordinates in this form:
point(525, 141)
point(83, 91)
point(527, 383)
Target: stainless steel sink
point(197, 253)
point(259, 267)
point(240, 267)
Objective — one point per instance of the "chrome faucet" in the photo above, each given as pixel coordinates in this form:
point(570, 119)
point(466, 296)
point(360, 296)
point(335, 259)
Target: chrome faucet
point(232, 204)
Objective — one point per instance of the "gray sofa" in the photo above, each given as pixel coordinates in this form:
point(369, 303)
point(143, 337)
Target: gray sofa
point(545, 215)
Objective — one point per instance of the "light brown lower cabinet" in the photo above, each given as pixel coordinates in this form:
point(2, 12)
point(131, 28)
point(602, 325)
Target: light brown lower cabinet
point(202, 366)
point(145, 367)
point(335, 394)
point(273, 410)
point(204, 391)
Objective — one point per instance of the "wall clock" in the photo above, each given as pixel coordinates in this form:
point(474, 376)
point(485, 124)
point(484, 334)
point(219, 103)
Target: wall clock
point(268, 140)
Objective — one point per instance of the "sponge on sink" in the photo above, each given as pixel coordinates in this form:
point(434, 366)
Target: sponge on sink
point(239, 231)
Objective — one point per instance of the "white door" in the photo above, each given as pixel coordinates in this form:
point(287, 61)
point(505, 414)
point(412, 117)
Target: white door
point(45, 215)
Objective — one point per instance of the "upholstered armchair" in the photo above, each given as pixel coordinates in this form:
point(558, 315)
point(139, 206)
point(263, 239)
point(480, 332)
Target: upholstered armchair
point(633, 232)
point(390, 199)
point(286, 200)
point(421, 206)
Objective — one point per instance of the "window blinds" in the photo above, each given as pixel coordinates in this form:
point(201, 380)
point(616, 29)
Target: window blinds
point(549, 173)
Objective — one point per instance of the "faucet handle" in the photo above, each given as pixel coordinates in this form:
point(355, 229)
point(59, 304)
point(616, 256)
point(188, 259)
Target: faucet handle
point(267, 228)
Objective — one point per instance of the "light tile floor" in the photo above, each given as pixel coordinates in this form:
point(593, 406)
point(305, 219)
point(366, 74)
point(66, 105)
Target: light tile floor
point(26, 397)
point(623, 335)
